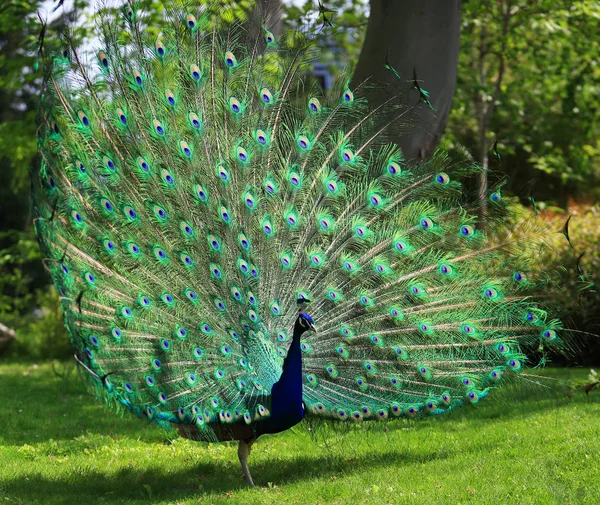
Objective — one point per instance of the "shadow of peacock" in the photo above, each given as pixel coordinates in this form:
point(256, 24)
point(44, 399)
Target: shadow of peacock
point(197, 191)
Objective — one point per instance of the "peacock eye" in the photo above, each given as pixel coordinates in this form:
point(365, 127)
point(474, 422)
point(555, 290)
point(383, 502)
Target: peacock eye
point(467, 230)
point(393, 168)
point(195, 72)
point(230, 59)
point(314, 105)
point(426, 223)
point(266, 96)
point(442, 178)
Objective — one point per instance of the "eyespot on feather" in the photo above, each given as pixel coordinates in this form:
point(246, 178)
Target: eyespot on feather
point(158, 127)
point(266, 96)
point(230, 59)
point(160, 49)
point(122, 117)
point(170, 98)
point(185, 149)
point(137, 78)
point(83, 119)
point(103, 59)
point(235, 105)
point(269, 37)
point(314, 105)
point(194, 120)
point(393, 168)
point(242, 155)
point(191, 22)
point(195, 72)
point(346, 155)
point(442, 178)
point(347, 96)
point(303, 142)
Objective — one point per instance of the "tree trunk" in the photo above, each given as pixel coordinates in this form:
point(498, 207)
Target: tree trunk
point(423, 35)
point(7, 335)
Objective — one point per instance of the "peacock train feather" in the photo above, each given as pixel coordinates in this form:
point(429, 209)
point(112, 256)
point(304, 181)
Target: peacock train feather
point(194, 187)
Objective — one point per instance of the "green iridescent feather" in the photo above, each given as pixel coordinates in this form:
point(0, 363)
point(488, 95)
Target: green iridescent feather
point(191, 189)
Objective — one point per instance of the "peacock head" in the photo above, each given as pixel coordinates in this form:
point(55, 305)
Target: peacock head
point(305, 323)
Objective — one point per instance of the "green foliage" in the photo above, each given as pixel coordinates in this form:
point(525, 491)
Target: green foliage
point(58, 446)
point(535, 64)
point(18, 100)
point(343, 41)
point(33, 312)
point(41, 334)
point(583, 230)
point(26, 303)
point(579, 292)
point(544, 64)
point(15, 259)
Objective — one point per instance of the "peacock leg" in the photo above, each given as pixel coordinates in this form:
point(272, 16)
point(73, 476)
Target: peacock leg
point(243, 453)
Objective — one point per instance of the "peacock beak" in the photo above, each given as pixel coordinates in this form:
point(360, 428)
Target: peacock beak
point(311, 327)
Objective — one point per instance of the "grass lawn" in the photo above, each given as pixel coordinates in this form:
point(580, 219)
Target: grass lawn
point(58, 446)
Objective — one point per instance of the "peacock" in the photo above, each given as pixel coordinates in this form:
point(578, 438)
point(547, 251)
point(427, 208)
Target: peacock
point(236, 249)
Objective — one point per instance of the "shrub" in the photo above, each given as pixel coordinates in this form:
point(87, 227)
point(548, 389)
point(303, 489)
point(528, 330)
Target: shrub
point(40, 334)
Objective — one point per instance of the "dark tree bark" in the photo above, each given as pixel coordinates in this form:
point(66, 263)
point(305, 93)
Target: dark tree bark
point(419, 34)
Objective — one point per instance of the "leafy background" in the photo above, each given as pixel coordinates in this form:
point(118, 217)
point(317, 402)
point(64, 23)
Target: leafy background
point(528, 79)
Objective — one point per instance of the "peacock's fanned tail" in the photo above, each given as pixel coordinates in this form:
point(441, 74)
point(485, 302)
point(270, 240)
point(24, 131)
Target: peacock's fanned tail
point(193, 187)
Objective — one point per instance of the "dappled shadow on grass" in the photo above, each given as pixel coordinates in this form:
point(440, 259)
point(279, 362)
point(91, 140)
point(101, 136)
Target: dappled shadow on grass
point(198, 479)
point(88, 426)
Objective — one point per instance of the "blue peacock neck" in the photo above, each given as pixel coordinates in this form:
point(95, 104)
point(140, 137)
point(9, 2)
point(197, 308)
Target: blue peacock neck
point(287, 409)
point(292, 365)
